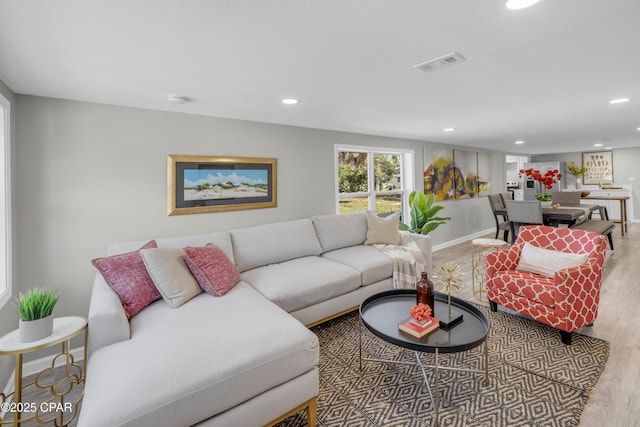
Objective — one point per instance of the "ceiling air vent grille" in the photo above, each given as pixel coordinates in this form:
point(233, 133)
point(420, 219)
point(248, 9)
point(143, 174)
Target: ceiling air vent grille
point(441, 62)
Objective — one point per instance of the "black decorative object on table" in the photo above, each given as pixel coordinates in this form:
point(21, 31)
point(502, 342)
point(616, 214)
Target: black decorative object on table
point(450, 318)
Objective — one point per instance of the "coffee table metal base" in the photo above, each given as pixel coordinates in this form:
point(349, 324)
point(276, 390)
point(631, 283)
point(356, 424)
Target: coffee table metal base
point(436, 368)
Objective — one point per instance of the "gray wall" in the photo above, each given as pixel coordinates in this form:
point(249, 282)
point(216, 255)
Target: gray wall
point(89, 174)
point(625, 166)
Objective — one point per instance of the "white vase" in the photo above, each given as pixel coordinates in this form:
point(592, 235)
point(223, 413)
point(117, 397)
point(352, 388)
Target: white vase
point(34, 330)
point(545, 204)
point(578, 183)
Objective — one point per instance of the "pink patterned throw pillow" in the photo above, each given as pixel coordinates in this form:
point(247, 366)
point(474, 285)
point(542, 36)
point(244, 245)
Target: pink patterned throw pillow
point(128, 277)
point(211, 267)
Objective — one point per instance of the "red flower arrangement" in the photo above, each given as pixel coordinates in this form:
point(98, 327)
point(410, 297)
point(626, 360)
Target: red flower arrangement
point(545, 182)
point(420, 312)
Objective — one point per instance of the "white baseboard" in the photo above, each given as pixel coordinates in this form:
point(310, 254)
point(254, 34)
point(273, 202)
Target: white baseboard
point(463, 239)
point(38, 365)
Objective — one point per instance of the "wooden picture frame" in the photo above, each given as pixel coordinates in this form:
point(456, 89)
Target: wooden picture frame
point(599, 166)
point(200, 184)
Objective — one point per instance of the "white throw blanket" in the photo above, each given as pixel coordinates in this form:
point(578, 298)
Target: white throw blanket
point(408, 261)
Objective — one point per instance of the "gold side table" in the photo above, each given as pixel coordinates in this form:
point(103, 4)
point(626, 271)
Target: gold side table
point(479, 248)
point(59, 408)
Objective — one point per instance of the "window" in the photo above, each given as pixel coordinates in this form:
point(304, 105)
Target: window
point(5, 206)
point(371, 178)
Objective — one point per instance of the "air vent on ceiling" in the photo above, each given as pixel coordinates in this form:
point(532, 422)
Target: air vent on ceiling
point(441, 62)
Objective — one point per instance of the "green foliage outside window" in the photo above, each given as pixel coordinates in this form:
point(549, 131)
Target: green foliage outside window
point(353, 173)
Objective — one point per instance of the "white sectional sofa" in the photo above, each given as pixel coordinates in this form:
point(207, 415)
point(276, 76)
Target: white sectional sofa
point(246, 358)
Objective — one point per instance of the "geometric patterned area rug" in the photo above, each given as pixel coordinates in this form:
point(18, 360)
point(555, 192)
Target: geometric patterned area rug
point(534, 379)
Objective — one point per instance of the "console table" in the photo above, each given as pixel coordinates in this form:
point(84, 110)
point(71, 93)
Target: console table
point(623, 207)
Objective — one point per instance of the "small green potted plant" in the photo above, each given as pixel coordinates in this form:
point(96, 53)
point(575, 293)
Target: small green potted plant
point(35, 308)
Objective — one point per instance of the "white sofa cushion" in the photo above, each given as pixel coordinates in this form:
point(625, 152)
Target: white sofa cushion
point(170, 274)
point(177, 368)
point(340, 231)
point(272, 243)
point(302, 282)
point(372, 264)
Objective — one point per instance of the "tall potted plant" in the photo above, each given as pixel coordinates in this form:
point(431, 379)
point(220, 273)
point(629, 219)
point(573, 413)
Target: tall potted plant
point(423, 214)
point(35, 308)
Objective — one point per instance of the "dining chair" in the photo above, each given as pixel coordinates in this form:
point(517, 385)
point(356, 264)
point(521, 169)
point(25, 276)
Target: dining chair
point(523, 212)
point(571, 199)
point(567, 198)
point(507, 195)
point(502, 222)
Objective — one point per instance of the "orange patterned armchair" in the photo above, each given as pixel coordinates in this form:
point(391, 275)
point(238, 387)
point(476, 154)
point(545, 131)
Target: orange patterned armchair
point(565, 297)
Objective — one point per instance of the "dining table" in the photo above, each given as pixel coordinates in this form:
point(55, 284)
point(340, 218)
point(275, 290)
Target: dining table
point(568, 215)
point(555, 216)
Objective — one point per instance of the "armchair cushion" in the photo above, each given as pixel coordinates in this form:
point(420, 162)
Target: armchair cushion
point(531, 286)
point(546, 262)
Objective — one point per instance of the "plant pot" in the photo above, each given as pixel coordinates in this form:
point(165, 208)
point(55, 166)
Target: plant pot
point(545, 204)
point(34, 330)
point(578, 183)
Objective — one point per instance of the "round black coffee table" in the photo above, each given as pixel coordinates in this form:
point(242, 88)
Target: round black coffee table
point(381, 313)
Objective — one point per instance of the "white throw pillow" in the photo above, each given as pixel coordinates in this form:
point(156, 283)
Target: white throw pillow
point(546, 262)
point(383, 230)
point(170, 274)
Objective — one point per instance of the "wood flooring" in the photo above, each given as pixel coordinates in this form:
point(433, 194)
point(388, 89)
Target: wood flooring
point(615, 400)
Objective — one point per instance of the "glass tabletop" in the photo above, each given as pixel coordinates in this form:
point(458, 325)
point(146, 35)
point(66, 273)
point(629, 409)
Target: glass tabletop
point(381, 313)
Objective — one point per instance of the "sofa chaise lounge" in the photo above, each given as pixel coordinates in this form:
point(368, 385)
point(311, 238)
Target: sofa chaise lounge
point(246, 358)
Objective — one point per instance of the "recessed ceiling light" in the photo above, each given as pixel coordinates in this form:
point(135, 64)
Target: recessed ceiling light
point(608, 148)
point(449, 129)
point(520, 4)
point(597, 145)
point(290, 101)
point(638, 128)
point(519, 142)
point(177, 99)
point(619, 101)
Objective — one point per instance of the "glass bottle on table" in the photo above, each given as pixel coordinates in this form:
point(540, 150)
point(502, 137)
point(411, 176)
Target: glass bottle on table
point(425, 292)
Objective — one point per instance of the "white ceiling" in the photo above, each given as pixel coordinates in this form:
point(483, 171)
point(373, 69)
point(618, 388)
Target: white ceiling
point(544, 75)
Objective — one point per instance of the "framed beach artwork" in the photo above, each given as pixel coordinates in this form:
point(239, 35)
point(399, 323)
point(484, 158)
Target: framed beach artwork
point(198, 184)
point(599, 167)
point(438, 173)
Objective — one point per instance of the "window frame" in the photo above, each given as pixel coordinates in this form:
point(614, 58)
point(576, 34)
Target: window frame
point(5, 204)
point(406, 175)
